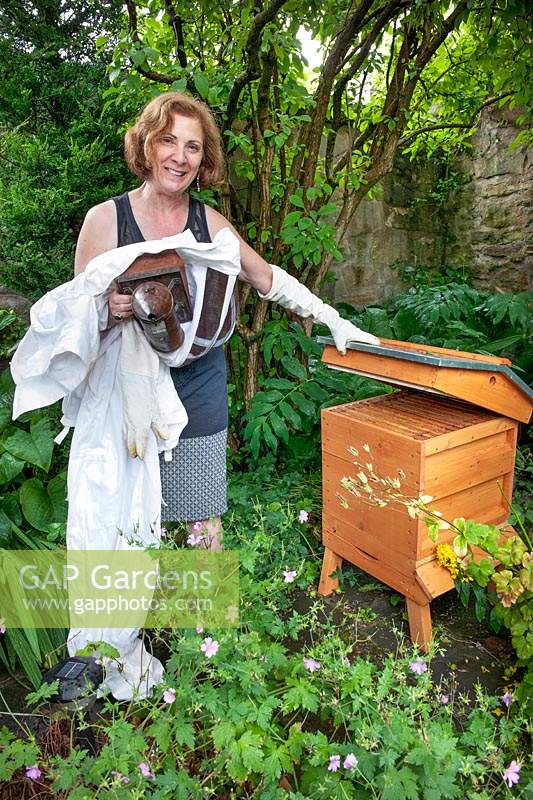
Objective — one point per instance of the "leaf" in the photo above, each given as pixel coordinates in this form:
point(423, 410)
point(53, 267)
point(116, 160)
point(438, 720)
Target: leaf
point(279, 427)
point(35, 447)
point(290, 415)
point(18, 642)
point(306, 406)
point(315, 391)
point(9, 467)
point(255, 443)
point(57, 491)
point(179, 85)
point(270, 439)
point(5, 417)
point(251, 752)
point(36, 504)
point(184, 732)
point(5, 529)
point(292, 218)
point(259, 409)
point(202, 84)
point(138, 57)
point(294, 368)
point(296, 201)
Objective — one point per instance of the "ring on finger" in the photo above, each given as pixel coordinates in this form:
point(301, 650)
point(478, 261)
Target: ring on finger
point(118, 316)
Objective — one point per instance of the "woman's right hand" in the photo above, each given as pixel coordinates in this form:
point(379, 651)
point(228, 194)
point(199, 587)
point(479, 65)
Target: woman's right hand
point(120, 307)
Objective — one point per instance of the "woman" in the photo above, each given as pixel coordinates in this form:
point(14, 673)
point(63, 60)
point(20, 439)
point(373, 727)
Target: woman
point(175, 144)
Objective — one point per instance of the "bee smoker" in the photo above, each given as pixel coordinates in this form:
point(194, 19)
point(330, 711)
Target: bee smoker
point(160, 297)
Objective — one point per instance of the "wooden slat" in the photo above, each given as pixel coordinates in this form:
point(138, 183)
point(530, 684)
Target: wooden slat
point(457, 470)
point(484, 503)
point(384, 457)
point(508, 481)
point(349, 412)
point(407, 586)
point(433, 579)
point(471, 433)
point(389, 544)
point(391, 527)
point(394, 421)
point(442, 411)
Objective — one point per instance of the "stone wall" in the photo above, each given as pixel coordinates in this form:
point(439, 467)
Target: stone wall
point(486, 224)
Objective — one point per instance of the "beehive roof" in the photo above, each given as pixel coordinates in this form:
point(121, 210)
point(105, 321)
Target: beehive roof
point(486, 381)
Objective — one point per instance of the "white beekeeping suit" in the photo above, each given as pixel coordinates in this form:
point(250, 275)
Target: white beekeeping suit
point(113, 497)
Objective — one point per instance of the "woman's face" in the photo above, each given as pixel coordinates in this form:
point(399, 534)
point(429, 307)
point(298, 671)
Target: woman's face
point(177, 155)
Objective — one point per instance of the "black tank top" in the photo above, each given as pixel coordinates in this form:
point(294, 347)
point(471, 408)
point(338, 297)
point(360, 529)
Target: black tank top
point(128, 232)
point(201, 385)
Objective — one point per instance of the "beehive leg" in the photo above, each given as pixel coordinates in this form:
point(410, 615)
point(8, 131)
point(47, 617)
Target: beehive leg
point(331, 563)
point(419, 624)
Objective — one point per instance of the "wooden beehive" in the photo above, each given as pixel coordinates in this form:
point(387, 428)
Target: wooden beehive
point(457, 453)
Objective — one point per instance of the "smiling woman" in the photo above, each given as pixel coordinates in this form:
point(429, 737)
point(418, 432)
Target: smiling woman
point(173, 145)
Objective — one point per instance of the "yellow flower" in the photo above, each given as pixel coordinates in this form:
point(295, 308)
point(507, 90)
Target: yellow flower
point(447, 559)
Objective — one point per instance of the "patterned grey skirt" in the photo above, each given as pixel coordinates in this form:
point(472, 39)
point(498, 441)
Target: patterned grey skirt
point(193, 484)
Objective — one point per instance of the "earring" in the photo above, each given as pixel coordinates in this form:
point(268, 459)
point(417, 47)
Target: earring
point(198, 180)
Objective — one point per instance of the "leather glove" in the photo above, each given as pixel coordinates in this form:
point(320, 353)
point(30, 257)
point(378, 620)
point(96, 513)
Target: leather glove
point(138, 373)
point(292, 294)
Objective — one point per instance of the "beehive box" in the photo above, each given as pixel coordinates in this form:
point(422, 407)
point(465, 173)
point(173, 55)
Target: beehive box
point(457, 453)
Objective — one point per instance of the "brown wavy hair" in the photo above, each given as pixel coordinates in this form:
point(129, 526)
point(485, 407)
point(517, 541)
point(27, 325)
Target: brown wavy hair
point(156, 119)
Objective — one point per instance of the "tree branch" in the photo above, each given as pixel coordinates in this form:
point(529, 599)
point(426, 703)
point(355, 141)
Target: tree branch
point(177, 26)
point(251, 48)
point(445, 125)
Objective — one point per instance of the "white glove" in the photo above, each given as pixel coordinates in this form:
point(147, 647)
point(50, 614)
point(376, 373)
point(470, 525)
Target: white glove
point(292, 294)
point(138, 372)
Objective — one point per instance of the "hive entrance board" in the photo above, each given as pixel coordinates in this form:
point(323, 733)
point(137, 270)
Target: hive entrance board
point(456, 452)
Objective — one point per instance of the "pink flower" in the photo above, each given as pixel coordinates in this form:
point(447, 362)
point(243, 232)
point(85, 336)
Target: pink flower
point(312, 665)
point(444, 699)
point(169, 696)
point(334, 763)
point(145, 770)
point(418, 666)
point(303, 516)
point(209, 646)
point(198, 526)
point(507, 699)
point(2, 625)
point(194, 539)
point(512, 774)
point(350, 762)
point(120, 776)
point(33, 773)
point(199, 629)
point(289, 575)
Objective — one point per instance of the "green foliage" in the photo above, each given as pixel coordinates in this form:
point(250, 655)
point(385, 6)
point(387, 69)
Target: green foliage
point(505, 574)
point(456, 315)
point(33, 512)
point(253, 715)
point(12, 328)
point(58, 156)
point(47, 183)
point(291, 396)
